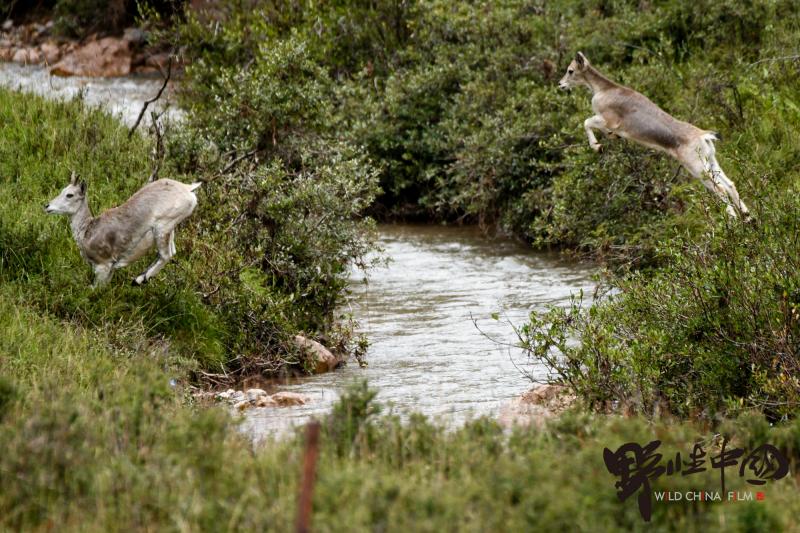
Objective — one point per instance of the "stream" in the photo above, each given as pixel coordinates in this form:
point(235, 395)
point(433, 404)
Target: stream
point(426, 353)
point(122, 97)
point(435, 347)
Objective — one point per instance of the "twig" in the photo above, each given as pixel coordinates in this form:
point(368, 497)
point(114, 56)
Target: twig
point(207, 295)
point(782, 58)
point(677, 173)
point(157, 96)
point(629, 45)
point(219, 379)
point(229, 166)
point(158, 149)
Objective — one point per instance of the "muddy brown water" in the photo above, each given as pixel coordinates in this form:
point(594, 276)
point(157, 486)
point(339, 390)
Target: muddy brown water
point(434, 346)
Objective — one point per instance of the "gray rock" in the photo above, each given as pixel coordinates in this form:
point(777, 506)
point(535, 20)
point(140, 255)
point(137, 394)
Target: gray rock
point(134, 36)
point(231, 396)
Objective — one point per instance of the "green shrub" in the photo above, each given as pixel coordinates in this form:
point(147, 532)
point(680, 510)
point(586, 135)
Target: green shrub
point(714, 330)
point(287, 219)
point(77, 18)
point(282, 91)
point(282, 240)
point(460, 113)
point(81, 18)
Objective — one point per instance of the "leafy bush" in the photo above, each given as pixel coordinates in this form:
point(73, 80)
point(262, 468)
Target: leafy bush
point(714, 330)
point(458, 106)
point(282, 91)
point(80, 18)
point(282, 242)
point(459, 112)
point(291, 193)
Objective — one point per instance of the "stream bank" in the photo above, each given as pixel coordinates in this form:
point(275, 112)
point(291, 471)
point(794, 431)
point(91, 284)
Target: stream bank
point(436, 347)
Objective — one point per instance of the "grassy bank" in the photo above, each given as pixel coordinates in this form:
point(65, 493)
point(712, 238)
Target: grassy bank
point(95, 439)
point(238, 290)
point(42, 142)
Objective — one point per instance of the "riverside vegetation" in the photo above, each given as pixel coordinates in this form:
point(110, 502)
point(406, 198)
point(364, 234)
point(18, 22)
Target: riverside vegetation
point(301, 121)
point(456, 106)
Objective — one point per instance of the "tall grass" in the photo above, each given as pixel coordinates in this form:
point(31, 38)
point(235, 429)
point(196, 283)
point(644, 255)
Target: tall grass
point(92, 439)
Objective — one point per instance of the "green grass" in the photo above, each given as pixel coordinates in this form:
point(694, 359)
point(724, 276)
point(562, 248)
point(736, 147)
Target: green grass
point(41, 143)
point(237, 291)
point(93, 439)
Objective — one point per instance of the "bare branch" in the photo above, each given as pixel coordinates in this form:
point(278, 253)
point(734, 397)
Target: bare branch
point(158, 149)
point(156, 97)
point(782, 58)
point(230, 165)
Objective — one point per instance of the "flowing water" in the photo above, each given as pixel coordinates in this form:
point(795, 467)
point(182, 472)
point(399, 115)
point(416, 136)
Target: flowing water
point(123, 97)
point(435, 347)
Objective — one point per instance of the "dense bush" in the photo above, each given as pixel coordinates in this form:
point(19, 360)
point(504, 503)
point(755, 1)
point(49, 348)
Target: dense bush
point(712, 330)
point(461, 115)
point(716, 329)
point(284, 240)
point(80, 18)
point(291, 191)
point(458, 104)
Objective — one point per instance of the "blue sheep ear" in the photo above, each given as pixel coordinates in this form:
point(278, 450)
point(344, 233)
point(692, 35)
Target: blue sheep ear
point(83, 187)
point(581, 59)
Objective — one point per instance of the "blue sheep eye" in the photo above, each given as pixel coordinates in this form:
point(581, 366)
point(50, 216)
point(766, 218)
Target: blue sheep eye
point(70, 195)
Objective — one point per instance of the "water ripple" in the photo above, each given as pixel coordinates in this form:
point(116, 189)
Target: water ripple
point(425, 353)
